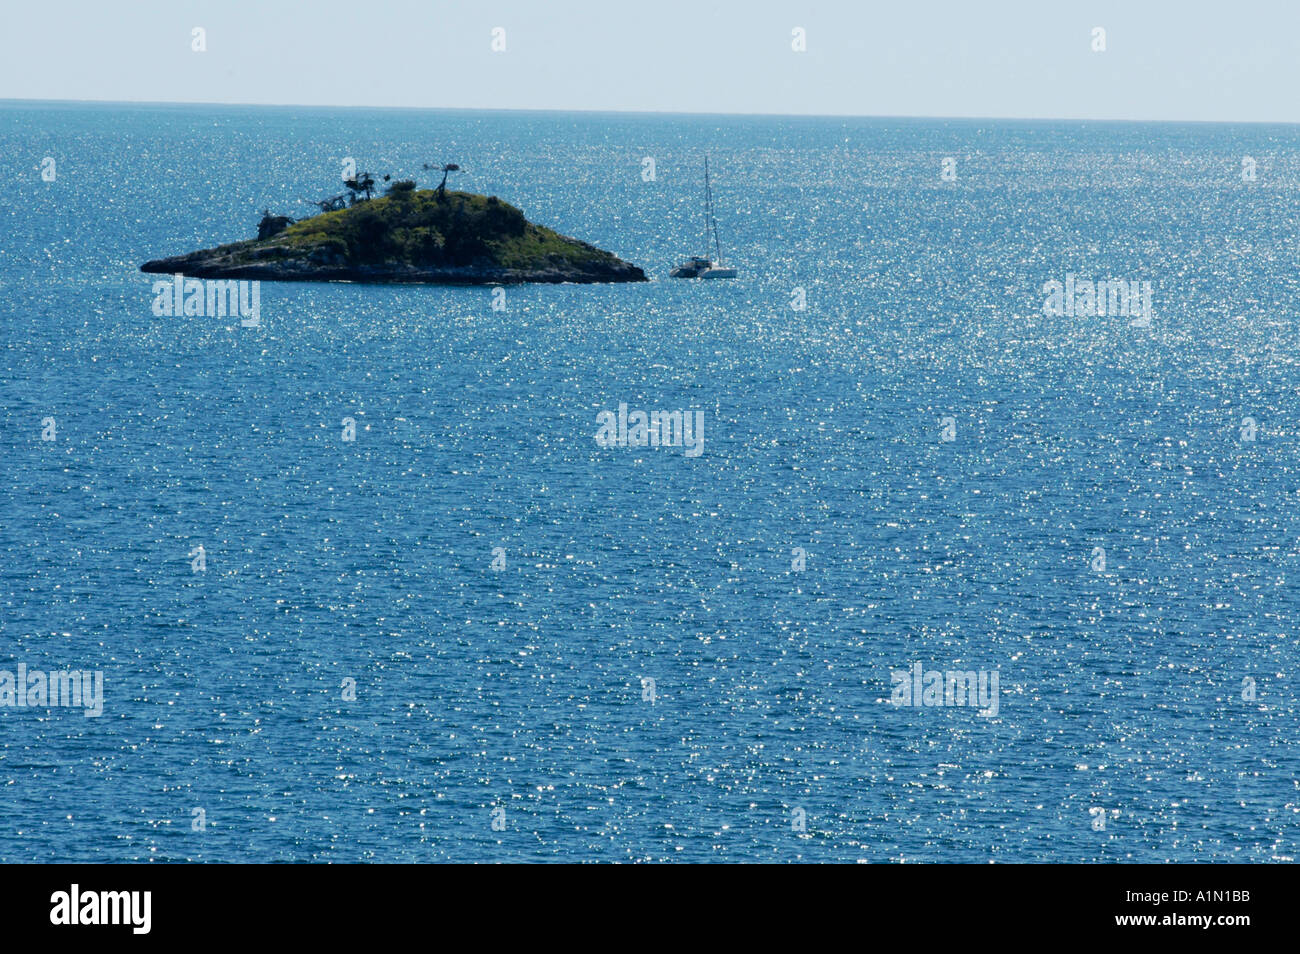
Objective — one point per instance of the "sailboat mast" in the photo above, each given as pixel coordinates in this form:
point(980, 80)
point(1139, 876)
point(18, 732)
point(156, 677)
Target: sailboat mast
point(708, 205)
point(717, 246)
point(710, 223)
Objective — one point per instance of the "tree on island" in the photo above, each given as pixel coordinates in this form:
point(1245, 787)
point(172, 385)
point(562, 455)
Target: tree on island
point(442, 186)
point(362, 182)
point(330, 203)
point(272, 225)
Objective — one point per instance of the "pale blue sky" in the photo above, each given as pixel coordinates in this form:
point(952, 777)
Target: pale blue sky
point(1018, 58)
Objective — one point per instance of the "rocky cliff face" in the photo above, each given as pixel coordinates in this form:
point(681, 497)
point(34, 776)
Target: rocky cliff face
point(240, 261)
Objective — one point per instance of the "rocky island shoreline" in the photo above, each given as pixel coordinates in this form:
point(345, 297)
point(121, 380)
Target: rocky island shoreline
point(407, 236)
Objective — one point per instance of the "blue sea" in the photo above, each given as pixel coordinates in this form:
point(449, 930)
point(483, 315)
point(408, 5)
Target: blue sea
point(474, 634)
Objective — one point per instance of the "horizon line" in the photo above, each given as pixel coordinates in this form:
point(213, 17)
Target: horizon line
point(646, 112)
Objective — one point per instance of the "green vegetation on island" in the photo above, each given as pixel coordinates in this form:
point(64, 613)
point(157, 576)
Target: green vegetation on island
point(407, 235)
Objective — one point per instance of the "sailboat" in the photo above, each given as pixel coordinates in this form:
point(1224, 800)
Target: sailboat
point(701, 266)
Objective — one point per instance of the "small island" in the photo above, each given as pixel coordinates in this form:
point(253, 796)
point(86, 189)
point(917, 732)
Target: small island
point(407, 235)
